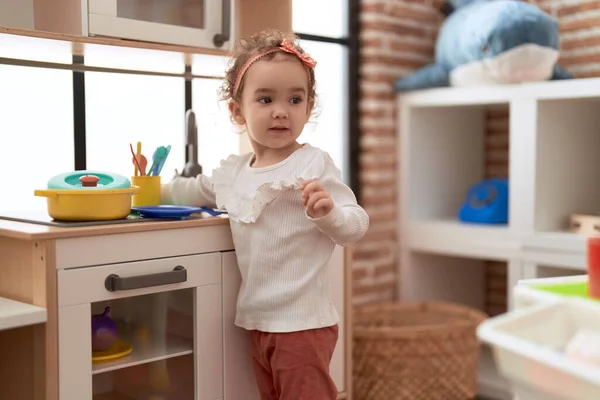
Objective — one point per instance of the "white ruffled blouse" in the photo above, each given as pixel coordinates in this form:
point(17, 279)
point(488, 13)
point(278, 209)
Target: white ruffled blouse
point(282, 252)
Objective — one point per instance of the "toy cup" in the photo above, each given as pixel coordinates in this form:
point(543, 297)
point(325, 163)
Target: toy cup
point(104, 331)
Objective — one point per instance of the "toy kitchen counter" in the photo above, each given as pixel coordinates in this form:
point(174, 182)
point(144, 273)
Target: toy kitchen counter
point(170, 285)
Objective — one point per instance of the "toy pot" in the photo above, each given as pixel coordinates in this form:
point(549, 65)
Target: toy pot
point(104, 331)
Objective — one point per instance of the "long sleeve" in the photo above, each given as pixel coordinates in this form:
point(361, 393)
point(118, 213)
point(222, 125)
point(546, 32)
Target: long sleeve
point(196, 191)
point(347, 222)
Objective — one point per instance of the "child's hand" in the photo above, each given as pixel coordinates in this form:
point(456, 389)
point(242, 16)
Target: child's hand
point(315, 198)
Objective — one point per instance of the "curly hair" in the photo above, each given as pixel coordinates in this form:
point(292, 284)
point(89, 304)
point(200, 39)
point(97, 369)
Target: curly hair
point(248, 48)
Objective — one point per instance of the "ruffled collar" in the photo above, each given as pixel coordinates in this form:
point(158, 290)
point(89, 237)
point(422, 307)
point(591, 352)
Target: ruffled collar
point(247, 209)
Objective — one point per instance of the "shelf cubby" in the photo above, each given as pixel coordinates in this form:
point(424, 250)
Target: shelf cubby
point(427, 276)
point(445, 150)
point(430, 277)
point(159, 327)
point(567, 176)
point(446, 156)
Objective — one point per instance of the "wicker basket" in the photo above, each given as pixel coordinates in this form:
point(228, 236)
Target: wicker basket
point(416, 351)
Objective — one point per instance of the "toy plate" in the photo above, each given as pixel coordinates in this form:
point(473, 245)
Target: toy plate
point(166, 211)
point(118, 350)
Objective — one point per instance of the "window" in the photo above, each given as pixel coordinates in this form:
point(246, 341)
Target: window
point(86, 120)
point(217, 136)
point(332, 23)
point(327, 37)
point(36, 130)
point(124, 109)
point(329, 131)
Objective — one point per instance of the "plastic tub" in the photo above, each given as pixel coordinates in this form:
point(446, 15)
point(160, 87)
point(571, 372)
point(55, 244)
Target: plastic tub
point(528, 343)
point(533, 291)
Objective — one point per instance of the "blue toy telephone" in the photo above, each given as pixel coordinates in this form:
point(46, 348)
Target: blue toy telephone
point(486, 203)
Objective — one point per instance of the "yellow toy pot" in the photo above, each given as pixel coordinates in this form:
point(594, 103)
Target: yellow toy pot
point(88, 196)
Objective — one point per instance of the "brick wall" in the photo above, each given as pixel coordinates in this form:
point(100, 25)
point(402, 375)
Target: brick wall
point(397, 37)
point(496, 166)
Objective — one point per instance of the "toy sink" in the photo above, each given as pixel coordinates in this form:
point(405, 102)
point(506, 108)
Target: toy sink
point(533, 291)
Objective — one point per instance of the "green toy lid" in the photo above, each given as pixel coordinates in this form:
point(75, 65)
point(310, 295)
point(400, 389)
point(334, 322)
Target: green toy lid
point(93, 180)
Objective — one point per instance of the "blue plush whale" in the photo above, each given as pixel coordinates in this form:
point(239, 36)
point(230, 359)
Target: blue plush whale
point(491, 42)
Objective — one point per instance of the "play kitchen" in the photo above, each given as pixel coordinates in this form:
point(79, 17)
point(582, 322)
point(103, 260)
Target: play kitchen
point(131, 311)
point(111, 300)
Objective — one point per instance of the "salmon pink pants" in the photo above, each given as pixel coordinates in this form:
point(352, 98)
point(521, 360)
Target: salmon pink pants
point(294, 365)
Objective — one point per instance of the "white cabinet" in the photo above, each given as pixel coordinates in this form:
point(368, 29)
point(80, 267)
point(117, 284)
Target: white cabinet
point(198, 23)
point(207, 24)
point(168, 311)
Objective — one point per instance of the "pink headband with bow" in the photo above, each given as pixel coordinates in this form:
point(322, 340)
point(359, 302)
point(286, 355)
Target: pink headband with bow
point(286, 46)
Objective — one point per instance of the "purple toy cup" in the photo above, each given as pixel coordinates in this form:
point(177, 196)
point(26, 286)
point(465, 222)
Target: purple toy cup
point(104, 331)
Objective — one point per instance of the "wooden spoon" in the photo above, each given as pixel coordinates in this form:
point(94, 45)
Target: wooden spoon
point(143, 162)
point(135, 161)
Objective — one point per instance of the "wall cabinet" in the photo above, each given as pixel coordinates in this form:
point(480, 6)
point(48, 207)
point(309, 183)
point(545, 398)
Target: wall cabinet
point(171, 287)
point(204, 24)
point(198, 23)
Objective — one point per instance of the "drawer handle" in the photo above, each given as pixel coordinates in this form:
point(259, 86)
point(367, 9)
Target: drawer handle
point(114, 282)
point(220, 38)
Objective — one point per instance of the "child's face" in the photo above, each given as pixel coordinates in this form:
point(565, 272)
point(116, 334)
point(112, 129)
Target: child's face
point(274, 105)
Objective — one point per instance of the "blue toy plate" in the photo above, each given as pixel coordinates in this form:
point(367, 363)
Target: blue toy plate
point(167, 211)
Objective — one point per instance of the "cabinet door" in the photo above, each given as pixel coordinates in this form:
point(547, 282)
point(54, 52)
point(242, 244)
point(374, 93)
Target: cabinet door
point(239, 382)
point(197, 23)
point(169, 335)
point(239, 377)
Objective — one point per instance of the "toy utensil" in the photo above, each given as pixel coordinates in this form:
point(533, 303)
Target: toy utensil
point(154, 161)
point(159, 154)
point(162, 163)
point(138, 153)
point(143, 162)
point(135, 161)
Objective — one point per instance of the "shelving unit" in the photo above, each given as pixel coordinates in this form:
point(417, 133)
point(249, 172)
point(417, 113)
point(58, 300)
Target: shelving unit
point(554, 134)
point(14, 314)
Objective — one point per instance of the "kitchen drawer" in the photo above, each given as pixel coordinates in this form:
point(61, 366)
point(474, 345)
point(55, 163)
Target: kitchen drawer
point(87, 285)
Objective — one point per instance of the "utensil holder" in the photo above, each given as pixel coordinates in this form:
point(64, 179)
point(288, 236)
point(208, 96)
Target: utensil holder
point(149, 191)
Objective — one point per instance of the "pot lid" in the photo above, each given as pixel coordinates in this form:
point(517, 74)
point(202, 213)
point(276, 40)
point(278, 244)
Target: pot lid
point(79, 180)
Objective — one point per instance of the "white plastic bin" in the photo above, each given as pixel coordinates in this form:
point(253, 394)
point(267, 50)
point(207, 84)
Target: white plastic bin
point(527, 345)
point(524, 294)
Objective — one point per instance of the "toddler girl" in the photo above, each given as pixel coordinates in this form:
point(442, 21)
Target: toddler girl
point(288, 209)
